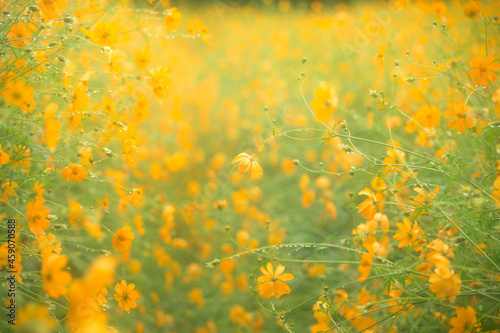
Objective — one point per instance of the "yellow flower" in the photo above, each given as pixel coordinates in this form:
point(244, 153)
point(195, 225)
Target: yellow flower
point(409, 234)
point(247, 162)
point(172, 19)
point(18, 94)
point(54, 276)
point(472, 8)
point(325, 101)
point(460, 114)
point(126, 295)
point(35, 317)
point(104, 34)
point(4, 158)
point(271, 284)
point(142, 58)
point(122, 240)
point(74, 173)
point(445, 283)
point(482, 70)
point(368, 208)
point(464, 321)
point(50, 8)
point(220, 204)
point(196, 296)
point(36, 216)
point(48, 245)
point(100, 296)
point(20, 34)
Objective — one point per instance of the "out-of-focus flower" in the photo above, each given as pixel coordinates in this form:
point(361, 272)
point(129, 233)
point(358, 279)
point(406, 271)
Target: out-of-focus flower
point(74, 173)
point(247, 162)
point(325, 101)
point(482, 70)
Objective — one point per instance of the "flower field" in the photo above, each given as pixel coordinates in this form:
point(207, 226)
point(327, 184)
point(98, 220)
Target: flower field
point(249, 166)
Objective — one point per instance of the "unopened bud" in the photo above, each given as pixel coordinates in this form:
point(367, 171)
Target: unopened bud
point(52, 217)
point(34, 8)
point(69, 19)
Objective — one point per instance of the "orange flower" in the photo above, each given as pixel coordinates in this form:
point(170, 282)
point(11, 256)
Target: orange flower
point(122, 240)
point(160, 81)
point(54, 276)
point(458, 111)
point(100, 296)
point(422, 199)
point(308, 198)
point(74, 173)
point(126, 295)
point(325, 101)
point(79, 101)
point(20, 33)
point(35, 315)
point(50, 8)
point(368, 208)
point(75, 212)
point(465, 321)
point(142, 58)
point(7, 190)
point(196, 296)
point(48, 245)
point(136, 197)
point(4, 158)
point(172, 19)
point(381, 55)
point(482, 71)
point(247, 162)
point(271, 284)
point(428, 116)
point(220, 204)
point(444, 282)
point(472, 8)
point(196, 28)
point(395, 159)
point(138, 224)
point(36, 216)
point(52, 126)
point(18, 94)
point(409, 234)
point(140, 112)
point(365, 266)
point(104, 34)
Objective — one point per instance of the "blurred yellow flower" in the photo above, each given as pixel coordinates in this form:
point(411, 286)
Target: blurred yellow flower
point(104, 34)
point(247, 162)
point(465, 321)
point(74, 173)
point(55, 278)
point(325, 101)
point(173, 19)
point(482, 70)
